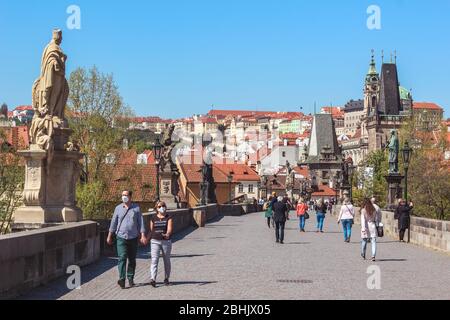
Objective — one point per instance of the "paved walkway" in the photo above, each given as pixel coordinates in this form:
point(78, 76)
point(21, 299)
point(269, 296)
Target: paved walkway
point(237, 258)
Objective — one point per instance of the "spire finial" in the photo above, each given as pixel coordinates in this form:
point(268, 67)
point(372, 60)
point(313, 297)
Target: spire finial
point(382, 56)
point(391, 57)
point(395, 56)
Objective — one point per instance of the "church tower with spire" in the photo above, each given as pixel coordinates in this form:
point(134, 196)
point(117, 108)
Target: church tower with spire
point(372, 89)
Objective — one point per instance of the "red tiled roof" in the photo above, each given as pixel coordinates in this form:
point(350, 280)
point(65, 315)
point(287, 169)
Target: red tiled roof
point(240, 172)
point(23, 108)
point(193, 174)
point(324, 191)
point(427, 105)
point(247, 113)
point(141, 179)
point(336, 112)
point(18, 137)
point(304, 171)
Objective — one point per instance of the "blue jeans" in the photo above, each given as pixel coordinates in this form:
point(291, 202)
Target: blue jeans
point(320, 219)
point(347, 226)
point(302, 222)
point(373, 241)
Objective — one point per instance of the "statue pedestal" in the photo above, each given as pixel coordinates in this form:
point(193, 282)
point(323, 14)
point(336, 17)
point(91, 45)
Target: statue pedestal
point(167, 187)
point(394, 181)
point(49, 193)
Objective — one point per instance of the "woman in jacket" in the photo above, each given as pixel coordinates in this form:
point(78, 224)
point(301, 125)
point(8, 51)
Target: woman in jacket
point(369, 222)
point(321, 211)
point(403, 215)
point(269, 211)
point(346, 216)
point(302, 208)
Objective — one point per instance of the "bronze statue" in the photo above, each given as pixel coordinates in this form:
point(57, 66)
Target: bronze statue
point(393, 147)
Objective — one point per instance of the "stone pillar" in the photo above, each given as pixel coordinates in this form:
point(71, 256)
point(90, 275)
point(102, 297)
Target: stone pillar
point(395, 190)
point(50, 187)
point(166, 188)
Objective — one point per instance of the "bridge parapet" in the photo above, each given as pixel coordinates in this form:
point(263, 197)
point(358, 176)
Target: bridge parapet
point(32, 258)
point(428, 233)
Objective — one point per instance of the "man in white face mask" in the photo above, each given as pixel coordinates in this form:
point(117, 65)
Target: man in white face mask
point(128, 226)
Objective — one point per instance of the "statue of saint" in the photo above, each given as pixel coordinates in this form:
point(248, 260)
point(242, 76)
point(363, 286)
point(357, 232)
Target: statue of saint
point(393, 147)
point(50, 93)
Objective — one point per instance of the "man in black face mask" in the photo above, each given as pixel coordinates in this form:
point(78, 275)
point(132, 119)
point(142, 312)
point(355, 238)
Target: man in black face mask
point(128, 226)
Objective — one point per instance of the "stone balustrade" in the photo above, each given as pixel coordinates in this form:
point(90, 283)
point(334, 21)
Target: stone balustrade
point(33, 258)
point(428, 233)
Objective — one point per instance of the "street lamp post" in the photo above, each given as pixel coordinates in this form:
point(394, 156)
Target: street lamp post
point(230, 181)
point(350, 174)
point(157, 149)
point(406, 153)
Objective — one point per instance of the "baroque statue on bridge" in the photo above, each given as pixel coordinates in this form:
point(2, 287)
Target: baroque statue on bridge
point(49, 95)
point(393, 147)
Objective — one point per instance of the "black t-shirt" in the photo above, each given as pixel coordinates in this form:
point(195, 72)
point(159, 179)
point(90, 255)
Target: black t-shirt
point(160, 227)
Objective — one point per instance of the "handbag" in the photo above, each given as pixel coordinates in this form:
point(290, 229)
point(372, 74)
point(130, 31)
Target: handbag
point(380, 231)
point(306, 215)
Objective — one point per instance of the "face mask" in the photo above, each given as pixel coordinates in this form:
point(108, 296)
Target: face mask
point(125, 199)
point(162, 210)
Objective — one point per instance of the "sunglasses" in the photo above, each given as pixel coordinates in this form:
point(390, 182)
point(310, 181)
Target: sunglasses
point(161, 207)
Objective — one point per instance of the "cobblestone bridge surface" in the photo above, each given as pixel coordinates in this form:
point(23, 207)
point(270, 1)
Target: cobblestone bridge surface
point(237, 258)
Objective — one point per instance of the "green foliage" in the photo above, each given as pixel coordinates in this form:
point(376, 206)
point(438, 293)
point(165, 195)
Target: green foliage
point(90, 199)
point(98, 117)
point(375, 186)
point(140, 146)
point(11, 184)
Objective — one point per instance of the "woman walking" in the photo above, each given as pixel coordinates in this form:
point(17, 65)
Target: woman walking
point(347, 216)
point(403, 215)
point(369, 222)
point(268, 211)
point(161, 228)
point(302, 209)
point(321, 211)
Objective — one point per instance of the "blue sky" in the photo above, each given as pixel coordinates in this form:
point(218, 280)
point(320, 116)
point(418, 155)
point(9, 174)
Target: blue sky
point(174, 58)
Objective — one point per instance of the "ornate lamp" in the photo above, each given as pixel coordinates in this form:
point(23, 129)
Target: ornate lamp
point(157, 150)
point(406, 153)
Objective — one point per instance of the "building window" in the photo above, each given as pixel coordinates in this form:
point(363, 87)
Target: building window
point(284, 154)
point(241, 188)
point(250, 188)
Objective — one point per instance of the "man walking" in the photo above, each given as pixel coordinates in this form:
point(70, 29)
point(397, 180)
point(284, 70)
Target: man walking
point(280, 217)
point(128, 226)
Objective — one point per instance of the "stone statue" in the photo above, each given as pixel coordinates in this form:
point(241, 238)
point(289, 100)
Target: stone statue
point(169, 146)
point(393, 147)
point(49, 95)
point(290, 176)
point(208, 185)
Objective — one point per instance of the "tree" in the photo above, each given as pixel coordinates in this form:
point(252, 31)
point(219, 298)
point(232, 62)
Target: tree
point(98, 118)
point(374, 185)
point(428, 174)
point(11, 183)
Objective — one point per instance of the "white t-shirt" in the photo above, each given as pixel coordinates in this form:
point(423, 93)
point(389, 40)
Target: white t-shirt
point(347, 212)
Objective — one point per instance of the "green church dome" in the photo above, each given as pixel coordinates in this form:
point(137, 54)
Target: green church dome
point(404, 93)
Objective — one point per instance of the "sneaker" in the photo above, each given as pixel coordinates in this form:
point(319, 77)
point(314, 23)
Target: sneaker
point(321, 231)
point(167, 282)
point(363, 256)
point(278, 241)
point(281, 242)
point(373, 259)
point(153, 283)
point(131, 282)
point(121, 283)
